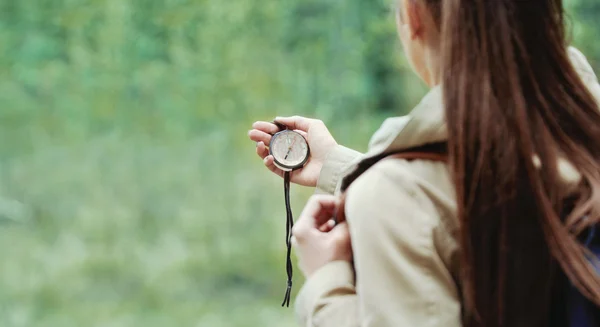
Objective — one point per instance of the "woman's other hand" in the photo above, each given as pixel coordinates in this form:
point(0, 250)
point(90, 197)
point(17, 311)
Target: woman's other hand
point(317, 240)
point(316, 134)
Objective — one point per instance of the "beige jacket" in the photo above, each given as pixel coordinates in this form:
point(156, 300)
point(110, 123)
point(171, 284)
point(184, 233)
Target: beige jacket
point(404, 231)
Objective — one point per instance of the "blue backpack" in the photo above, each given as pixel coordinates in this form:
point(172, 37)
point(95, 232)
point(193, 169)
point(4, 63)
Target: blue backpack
point(580, 311)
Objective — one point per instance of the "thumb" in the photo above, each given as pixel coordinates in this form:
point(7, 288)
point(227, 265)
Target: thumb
point(340, 233)
point(303, 133)
point(295, 122)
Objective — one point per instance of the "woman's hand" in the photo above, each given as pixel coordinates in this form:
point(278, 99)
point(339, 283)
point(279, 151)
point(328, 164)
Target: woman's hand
point(317, 240)
point(316, 134)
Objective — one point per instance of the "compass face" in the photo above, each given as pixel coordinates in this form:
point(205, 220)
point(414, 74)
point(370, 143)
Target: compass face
point(289, 149)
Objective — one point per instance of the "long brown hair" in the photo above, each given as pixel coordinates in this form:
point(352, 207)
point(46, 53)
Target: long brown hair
point(512, 94)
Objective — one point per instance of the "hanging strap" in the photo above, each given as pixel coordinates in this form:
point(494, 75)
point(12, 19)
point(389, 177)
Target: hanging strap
point(288, 238)
point(289, 224)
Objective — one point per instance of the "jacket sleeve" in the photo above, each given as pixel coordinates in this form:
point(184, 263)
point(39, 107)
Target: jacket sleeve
point(401, 279)
point(335, 167)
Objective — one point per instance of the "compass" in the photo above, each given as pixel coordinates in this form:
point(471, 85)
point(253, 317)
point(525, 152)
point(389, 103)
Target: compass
point(289, 149)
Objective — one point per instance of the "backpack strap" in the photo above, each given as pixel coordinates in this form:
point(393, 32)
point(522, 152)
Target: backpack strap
point(431, 156)
point(433, 152)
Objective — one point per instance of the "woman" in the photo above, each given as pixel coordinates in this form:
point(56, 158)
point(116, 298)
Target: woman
point(488, 239)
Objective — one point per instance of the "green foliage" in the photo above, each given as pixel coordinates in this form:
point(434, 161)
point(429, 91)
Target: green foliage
point(129, 194)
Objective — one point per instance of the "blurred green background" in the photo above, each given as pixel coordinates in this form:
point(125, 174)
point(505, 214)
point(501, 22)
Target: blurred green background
point(129, 193)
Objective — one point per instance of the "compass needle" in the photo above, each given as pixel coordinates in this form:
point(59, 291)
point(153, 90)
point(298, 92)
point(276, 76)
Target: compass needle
point(290, 149)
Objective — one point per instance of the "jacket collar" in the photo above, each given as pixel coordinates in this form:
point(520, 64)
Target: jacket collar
point(423, 125)
point(426, 124)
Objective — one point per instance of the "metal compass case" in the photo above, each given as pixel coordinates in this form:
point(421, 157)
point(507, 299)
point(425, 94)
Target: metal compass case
point(290, 151)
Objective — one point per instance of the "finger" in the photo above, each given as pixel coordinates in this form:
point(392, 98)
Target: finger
point(261, 150)
point(322, 208)
point(259, 136)
point(269, 162)
point(295, 122)
point(266, 127)
point(303, 133)
point(340, 231)
point(328, 226)
point(318, 210)
point(340, 235)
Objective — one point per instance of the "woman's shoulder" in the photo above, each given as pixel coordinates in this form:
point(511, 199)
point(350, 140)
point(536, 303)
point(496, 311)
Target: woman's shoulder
point(585, 71)
point(412, 202)
point(582, 65)
point(392, 185)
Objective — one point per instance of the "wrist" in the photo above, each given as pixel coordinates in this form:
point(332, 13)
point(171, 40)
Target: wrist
point(333, 167)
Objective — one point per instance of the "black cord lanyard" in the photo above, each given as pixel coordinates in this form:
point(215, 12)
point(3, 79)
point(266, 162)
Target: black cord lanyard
point(288, 229)
point(288, 238)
